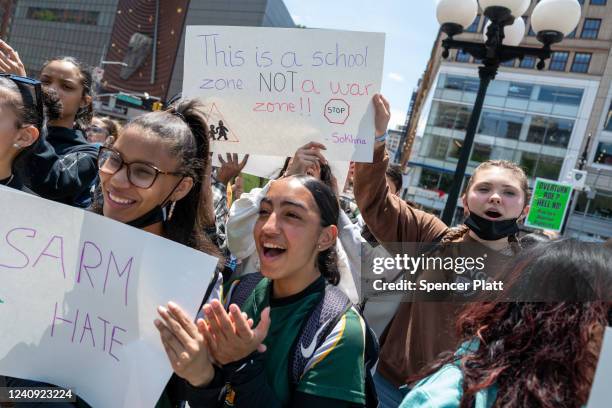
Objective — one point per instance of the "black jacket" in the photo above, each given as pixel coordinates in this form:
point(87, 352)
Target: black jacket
point(63, 167)
point(15, 182)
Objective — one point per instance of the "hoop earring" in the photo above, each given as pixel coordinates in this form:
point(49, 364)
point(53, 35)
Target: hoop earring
point(171, 210)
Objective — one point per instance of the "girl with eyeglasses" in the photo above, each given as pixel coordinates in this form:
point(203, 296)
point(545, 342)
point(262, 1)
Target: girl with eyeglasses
point(22, 122)
point(63, 166)
point(156, 177)
point(101, 128)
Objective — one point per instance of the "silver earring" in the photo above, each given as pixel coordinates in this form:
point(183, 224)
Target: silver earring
point(171, 210)
point(16, 146)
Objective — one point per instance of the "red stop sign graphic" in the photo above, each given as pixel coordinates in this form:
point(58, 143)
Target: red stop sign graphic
point(337, 111)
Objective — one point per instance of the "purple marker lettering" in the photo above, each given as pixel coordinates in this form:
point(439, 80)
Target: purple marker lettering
point(76, 318)
point(110, 348)
point(86, 267)
point(206, 46)
point(6, 238)
point(127, 268)
point(87, 326)
point(60, 256)
point(104, 342)
point(57, 318)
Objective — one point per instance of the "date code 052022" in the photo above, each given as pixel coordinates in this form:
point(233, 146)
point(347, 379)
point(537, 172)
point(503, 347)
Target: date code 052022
point(36, 394)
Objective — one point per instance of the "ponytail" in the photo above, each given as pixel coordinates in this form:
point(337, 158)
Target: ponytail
point(183, 126)
point(327, 262)
point(327, 202)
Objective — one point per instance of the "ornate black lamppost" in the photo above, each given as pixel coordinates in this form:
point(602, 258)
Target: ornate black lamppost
point(551, 20)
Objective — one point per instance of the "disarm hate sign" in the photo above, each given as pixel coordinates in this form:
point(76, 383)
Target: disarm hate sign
point(271, 90)
point(79, 295)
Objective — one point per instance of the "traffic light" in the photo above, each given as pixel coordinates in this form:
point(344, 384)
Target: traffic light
point(158, 105)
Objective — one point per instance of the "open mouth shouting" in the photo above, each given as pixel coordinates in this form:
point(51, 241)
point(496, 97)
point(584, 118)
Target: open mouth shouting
point(272, 251)
point(493, 213)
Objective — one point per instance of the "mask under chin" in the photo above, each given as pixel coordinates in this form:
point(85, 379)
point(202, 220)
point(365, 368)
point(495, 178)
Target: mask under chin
point(157, 214)
point(491, 230)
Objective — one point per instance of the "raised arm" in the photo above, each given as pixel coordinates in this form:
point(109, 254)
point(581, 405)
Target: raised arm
point(389, 217)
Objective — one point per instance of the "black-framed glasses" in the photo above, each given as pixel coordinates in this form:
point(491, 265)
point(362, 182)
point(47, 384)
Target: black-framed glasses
point(141, 175)
point(29, 98)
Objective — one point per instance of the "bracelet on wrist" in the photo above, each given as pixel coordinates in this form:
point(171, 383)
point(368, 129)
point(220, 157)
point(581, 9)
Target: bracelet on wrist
point(381, 138)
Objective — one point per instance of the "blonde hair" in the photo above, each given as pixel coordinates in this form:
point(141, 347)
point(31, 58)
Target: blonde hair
point(504, 164)
point(458, 232)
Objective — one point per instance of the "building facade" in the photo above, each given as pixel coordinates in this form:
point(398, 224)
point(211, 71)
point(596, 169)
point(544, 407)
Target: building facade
point(546, 121)
point(394, 137)
point(137, 46)
point(41, 29)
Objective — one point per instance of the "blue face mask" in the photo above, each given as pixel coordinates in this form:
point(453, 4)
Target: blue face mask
point(491, 230)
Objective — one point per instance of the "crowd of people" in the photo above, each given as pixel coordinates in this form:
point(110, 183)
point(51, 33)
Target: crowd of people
point(282, 322)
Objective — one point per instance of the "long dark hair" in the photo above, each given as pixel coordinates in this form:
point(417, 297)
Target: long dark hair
point(22, 101)
point(183, 126)
point(540, 354)
point(327, 202)
point(86, 113)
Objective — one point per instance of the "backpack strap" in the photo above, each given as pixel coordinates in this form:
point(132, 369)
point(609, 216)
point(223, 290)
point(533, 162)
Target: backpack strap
point(240, 289)
point(317, 326)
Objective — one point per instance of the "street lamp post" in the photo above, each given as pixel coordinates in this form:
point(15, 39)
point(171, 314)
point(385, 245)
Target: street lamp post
point(551, 20)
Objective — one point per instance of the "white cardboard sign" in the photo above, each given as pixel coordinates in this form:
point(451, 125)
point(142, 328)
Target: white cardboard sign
point(78, 298)
point(271, 90)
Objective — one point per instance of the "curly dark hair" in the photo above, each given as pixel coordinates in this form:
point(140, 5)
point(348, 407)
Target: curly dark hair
point(538, 354)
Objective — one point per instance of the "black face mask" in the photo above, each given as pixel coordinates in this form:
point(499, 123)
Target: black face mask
point(491, 230)
point(157, 214)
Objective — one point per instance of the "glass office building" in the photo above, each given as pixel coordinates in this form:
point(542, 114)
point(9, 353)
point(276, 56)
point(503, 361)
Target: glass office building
point(523, 120)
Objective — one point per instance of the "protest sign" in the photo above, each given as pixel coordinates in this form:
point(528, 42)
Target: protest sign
point(269, 96)
point(600, 392)
point(270, 166)
point(549, 204)
point(79, 295)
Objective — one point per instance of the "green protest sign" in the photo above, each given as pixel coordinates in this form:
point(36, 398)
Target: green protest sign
point(549, 204)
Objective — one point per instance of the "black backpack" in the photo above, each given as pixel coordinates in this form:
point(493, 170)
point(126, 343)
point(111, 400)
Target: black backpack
point(320, 322)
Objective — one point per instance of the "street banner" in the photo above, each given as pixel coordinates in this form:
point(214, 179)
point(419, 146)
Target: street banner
point(600, 392)
point(79, 295)
point(271, 90)
point(549, 204)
